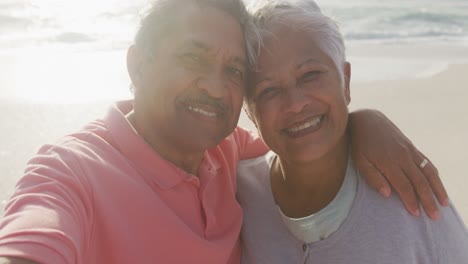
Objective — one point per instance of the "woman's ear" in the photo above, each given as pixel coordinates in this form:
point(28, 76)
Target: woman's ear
point(347, 79)
point(135, 62)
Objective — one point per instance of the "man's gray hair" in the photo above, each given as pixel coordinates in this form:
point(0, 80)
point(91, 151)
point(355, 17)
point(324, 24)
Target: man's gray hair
point(162, 15)
point(303, 15)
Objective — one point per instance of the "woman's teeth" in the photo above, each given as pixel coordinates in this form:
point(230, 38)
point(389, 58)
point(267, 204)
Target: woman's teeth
point(308, 124)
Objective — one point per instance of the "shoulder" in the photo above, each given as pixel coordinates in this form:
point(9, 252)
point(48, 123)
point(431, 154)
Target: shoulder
point(393, 208)
point(265, 159)
point(92, 141)
point(255, 167)
point(247, 144)
point(253, 176)
point(238, 136)
point(67, 159)
point(94, 136)
point(232, 144)
point(450, 217)
point(450, 236)
point(445, 239)
point(385, 217)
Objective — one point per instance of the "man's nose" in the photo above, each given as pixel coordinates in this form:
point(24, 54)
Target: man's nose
point(214, 84)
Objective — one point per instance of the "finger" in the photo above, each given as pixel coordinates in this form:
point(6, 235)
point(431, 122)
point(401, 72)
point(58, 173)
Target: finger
point(423, 190)
point(372, 175)
point(432, 176)
point(403, 186)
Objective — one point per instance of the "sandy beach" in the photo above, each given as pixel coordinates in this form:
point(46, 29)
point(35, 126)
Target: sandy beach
point(433, 113)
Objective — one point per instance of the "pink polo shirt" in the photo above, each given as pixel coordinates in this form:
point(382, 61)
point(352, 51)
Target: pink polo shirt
point(104, 196)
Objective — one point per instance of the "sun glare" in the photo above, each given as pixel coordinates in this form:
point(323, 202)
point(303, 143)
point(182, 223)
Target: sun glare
point(77, 58)
point(62, 77)
point(81, 7)
point(102, 17)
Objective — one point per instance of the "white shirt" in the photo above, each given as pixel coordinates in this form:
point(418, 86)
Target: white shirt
point(325, 222)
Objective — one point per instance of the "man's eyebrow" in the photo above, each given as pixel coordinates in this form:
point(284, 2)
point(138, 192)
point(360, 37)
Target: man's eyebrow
point(198, 45)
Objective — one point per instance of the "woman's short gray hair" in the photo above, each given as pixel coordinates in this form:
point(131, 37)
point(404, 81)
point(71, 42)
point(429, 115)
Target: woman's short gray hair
point(303, 15)
point(162, 15)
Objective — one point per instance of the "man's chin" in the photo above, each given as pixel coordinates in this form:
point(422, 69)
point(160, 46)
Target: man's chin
point(207, 140)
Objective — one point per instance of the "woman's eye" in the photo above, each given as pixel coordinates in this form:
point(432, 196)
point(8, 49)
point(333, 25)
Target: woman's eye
point(310, 76)
point(236, 73)
point(268, 93)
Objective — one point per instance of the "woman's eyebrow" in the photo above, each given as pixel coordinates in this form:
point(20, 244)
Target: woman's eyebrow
point(306, 62)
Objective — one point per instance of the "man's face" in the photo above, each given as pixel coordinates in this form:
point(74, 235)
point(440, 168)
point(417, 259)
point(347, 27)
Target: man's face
point(190, 92)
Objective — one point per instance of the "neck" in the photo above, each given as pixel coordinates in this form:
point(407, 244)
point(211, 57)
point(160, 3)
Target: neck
point(187, 159)
point(302, 189)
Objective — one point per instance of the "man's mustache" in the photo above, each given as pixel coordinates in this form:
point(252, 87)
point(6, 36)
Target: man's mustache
point(205, 99)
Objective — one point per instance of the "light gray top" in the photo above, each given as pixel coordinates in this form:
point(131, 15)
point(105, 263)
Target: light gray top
point(377, 230)
point(325, 222)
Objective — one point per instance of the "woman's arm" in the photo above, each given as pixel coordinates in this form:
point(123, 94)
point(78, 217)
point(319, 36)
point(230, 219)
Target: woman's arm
point(385, 156)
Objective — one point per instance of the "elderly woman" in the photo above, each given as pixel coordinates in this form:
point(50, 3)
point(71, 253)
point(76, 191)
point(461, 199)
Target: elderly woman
point(304, 202)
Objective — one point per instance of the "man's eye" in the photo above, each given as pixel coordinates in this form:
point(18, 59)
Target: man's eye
point(191, 57)
point(236, 73)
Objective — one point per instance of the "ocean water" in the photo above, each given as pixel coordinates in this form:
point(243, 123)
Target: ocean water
point(110, 24)
point(401, 21)
point(62, 61)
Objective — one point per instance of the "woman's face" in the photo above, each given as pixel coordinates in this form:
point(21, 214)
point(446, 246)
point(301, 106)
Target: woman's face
point(298, 98)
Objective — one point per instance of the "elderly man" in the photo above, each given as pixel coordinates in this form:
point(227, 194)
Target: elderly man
point(154, 180)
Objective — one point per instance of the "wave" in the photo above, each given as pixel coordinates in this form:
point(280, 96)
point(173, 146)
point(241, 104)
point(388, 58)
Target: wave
point(364, 20)
point(442, 19)
point(373, 22)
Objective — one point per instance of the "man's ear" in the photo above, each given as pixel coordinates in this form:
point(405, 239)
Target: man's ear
point(347, 79)
point(135, 61)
